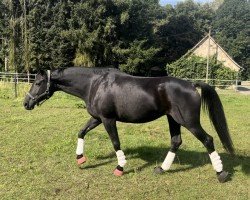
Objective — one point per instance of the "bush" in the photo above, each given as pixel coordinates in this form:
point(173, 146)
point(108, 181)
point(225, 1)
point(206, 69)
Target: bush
point(194, 67)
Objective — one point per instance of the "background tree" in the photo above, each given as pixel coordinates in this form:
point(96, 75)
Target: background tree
point(183, 27)
point(11, 33)
point(132, 35)
point(231, 31)
point(25, 35)
point(49, 48)
point(136, 47)
point(3, 37)
point(117, 33)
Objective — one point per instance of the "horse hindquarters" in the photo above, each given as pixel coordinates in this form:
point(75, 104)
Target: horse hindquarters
point(185, 103)
point(185, 110)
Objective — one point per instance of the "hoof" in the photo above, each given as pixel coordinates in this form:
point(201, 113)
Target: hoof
point(118, 172)
point(158, 170)
point(81, 160)
point(223, 176)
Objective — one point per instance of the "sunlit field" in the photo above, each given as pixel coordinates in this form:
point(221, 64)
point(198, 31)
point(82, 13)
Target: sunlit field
point(37, 154)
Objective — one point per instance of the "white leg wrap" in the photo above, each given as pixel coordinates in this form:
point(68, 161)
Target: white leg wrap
point(168, 161)
point(80, 146)
point(216, 161)
point(121, 158)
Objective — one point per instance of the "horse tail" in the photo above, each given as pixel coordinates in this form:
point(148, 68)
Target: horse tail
point(211, 103)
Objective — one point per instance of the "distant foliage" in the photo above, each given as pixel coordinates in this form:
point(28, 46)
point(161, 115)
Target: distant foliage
point(133, 35)
point(182, 27)
point(230, 25)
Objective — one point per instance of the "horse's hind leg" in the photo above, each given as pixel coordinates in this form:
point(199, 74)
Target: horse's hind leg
point(175, 132)
point(207, 141)
point(91, 124)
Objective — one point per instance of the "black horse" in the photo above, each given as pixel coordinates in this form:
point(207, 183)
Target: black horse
point(111, 95)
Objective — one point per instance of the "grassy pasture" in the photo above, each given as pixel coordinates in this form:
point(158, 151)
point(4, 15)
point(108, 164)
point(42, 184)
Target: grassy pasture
point(37, 154)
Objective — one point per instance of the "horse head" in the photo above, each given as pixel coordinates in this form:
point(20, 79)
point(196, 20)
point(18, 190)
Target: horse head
point(40, 91)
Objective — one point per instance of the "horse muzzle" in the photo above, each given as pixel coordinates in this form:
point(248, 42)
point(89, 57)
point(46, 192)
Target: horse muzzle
point(29, 103)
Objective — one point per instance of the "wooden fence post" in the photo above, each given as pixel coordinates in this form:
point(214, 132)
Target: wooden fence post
point(15, 83)
point(236, 85)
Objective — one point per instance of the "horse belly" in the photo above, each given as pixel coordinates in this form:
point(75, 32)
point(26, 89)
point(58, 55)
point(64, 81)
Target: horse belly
point(143, 118)
point(138, 109)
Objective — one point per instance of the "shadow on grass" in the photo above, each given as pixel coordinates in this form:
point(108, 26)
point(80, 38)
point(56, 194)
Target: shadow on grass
point(95, 165)
point(186, 159)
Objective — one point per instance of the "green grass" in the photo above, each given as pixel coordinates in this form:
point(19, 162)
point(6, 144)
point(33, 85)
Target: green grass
point(37, 154)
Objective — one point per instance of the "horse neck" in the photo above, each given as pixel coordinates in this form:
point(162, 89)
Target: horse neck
point(73, 81)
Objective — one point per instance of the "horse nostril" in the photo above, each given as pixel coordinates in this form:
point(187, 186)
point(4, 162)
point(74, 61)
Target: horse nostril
point(25, 105)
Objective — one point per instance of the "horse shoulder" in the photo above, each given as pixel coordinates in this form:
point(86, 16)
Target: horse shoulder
point(100, 101)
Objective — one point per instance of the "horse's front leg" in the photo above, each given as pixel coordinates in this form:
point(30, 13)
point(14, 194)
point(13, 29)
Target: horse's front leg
point(91, 124)
point(110, 126)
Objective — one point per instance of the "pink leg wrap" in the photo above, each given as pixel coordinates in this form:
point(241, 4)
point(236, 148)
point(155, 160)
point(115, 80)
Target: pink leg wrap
point(117, 172)
point(81, 160)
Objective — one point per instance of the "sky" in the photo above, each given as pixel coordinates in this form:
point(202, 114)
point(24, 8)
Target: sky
point(174, 2)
